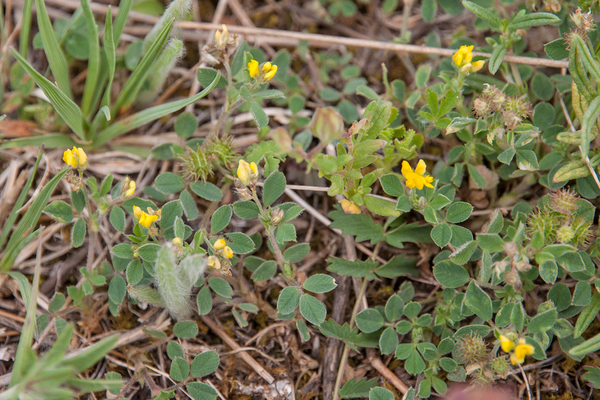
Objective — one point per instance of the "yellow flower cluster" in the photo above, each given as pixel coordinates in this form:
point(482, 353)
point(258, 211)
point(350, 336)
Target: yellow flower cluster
point(521, 350)
point(221, 38)
point(76, 158)
point(463, 57)
point(417, 178)
point(268, 70)
point(129, 187)
point(145, 219)
point(247, 173)
point(221, 246)
point(349, 207)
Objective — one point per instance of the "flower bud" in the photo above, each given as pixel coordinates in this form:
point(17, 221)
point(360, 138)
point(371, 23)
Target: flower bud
point(511, 249)
point(128, 188)
point(277, 217)
point(327, 124)
point(227, 252)
point(214, 262)
point(220, 244)
point(177, 241)
point(349, 207)
point(512, 278)
point(247, 173)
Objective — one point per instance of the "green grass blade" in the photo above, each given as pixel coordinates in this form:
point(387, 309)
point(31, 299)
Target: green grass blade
point(20, 201)
point(110, 52)
point(91, 81)
point(149, 115)
point(51, 141)
point(54, 53)
point(175, 10)
point(25, 28)
point(139, 75)
point(121, 19)
point(29, 220)
point(91, 355)
point(64, 106)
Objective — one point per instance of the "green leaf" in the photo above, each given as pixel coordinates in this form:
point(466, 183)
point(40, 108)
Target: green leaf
point(53, 51)
point(459, 212)
point(78, 233)
point(394, 308)
point(265, 271)
point(303, 330)
point(117, 289)
point(205, 364)
point(587, 347)
point(57, 302)
point(240, 242)
point(117, 218)
point(369, 320)
point(450, 275)
point(478, 301)
point(149, 251)
point(122, 250)
point(391, 185)
point(488, 16)
point(60, 211)
point(296, 253)
point(207, 191)
point(288, 300)
point(186, 124)
point(357, 389)
point(174, 350)
point(524, 21)
point(185, 329)
point(169, 183)
point(422, 75)
point(285, 233)
point(492, 243)
point(386, 208)
point(357, 268)
point(201, 391)
point(441, 234)
point(379, 393)
point(496, 58)
point(135, 272)
point(587, 316)
point(64, 106)
point(388, 341)
point(312, 309)
point(260, 117)
point(220, 287)
point(542, 322)
point(246, 209)
point(204, 301)
point(220, 219)
point(91, 355)
point(91, 81)
point(180, 369)
point(189, 205)
point(273, 188)
point(319, 283)
point(414, 364)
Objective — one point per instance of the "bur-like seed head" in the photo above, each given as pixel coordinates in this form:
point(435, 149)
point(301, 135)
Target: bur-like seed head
point(222, 149)
point(482, 108)
point(563, 201)
point(500, 365)
point(512, 278)
point(195, 164)
point(582, 232)
point(471, 349)
point(565, 234)
point(544, 222)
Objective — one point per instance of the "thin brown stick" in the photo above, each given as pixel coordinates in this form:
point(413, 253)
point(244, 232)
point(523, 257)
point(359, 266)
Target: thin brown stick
point(387, 374)
point(236, 347)
point(313, 39)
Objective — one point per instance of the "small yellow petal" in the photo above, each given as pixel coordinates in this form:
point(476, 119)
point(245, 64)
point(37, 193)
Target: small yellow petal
point(269, 75)
point(266, 67)
point(244, 172)
point(406, 169)
point(506, 344)
point(137, 212)
point(477, 65)
point(421, 167)
point(227, 252)
point(514, 360)
point(219, 244)
point(69, 158)
point(81, 156)
point(254, 168)
point(253, 68)
point(457, 58)
point(130, 190)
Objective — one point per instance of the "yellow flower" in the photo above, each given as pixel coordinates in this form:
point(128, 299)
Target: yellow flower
point(349, 207)
point(521, 351)
point(253, 68)
point(214, 262)
point(130, 189)
point(269, 72)
point(76, 158)
point(227, 252)
point(464, 55)
point(247, 173)
point(221, 38)
point(177, 241)
point(477, 65)
point(506, 344)
point(144, 218)
point(220, 244)
point(417, 178)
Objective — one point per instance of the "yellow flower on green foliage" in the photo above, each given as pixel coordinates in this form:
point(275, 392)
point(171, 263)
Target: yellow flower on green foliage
point(130, 189)
point(269, 71)
point(247, 173)
point(349, 207)
point(214, 262)
point(220, 244)
point(506, 344)
point(462, 59)
point(227, 252)
point(75, 158)
point(417, 178)
point(253, 68)
point(144, 219)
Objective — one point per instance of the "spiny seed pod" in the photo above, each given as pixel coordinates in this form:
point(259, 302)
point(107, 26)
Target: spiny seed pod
point(195, 164)
point(471, 349)
point(543, 222)
point(500, 365)
point(582, 234)
point(223, 149)
point(512, 278)
point(511, 119)
point(522, 108)
point(563, 201)
point(482, 107)
point(565, 234)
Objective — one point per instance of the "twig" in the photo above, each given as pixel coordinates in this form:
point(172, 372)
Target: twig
point(526, 382)
point(387, 374)
point(234, 346)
